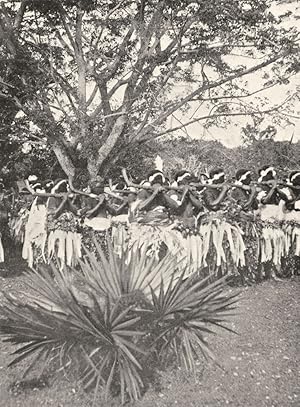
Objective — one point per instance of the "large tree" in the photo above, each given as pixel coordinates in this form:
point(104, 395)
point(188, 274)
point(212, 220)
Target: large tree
point(96, 77)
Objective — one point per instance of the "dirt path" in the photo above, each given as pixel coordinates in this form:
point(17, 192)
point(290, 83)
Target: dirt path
point(261, 364)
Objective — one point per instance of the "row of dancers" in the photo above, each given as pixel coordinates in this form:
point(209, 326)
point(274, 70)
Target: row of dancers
point(204, 219)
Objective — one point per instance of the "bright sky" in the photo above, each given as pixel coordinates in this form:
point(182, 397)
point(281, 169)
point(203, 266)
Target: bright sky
point(231, 136)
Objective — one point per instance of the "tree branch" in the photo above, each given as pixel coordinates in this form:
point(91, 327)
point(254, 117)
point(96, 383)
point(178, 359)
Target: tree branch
point(46, 122)
point(65, 46)
point(63, 15)
point(92, 95)
point(143, 54)
point(19, 16)
point(177, 105)
point(212, 98)
point(104, 98)
point(112, 68)
point(65, 86)
point(214, 116)
point(81, 68)
point(108, 145)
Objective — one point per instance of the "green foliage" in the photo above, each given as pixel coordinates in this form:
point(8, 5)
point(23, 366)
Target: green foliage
point(131, 312)
point(96, 76)
point(138, 159)
point(195, 155)
point(201, 155)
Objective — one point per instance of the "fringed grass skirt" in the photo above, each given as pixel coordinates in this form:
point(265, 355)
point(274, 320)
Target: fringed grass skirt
point(17, 225)
point(156, 238)
point(273, 244)
point(64, 240)
point(98, 228)
point(101, 237)
point(35, 237)
point(223, 244)
point(119, 233)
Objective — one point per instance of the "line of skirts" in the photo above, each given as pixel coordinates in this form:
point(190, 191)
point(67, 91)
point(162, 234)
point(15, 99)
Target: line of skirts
point(217, 244)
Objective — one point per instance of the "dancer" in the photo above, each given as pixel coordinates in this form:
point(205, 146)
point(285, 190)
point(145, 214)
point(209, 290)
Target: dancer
point(151, 223)
point(244, 203)
point(154, 204)
point(186, 217)
point(214, 197)
point(64, 238)
point(244, 198)
point(36, 227)
point(291, 263)
point(272, 241)
point(97, 212)
point(223, 245)
point(188, 203)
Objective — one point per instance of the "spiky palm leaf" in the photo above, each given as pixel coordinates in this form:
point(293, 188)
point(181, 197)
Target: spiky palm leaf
point(131, 272)
point(186, 312)
point(55, 322)
point(108, 337)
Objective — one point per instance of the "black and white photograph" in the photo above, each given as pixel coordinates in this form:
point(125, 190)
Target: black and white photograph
point(149, 203)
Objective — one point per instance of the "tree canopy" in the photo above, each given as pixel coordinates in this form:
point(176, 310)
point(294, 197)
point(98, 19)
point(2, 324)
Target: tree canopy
point(96, 77)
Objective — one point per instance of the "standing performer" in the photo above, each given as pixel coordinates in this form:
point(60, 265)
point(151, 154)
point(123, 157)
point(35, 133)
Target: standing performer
point(97, 212)
point(187, 200)
point(269, 194)
point(151, 223)
point(245, 199)
point(272, 242)
point(214, 197)
point(64, 239)
point(291, 263)
point(293, 193)
point(20, 210)
point(186, 217)
point(36, 228)
point(223, 245)
point(244, 207)
point(154, 207)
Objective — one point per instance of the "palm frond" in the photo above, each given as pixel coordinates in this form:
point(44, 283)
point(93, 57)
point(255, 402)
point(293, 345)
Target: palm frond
point(186, 311)
point(131, 272)
point(135, 306)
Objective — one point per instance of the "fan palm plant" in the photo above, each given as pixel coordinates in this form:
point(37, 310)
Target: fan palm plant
point(130, 308)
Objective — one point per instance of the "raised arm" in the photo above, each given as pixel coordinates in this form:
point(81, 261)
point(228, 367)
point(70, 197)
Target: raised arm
point(93, 211)
point(252, 201)
point(173, 201)
point(144, 204)
point(117, 211)
point(61, 207)
point(71, 205)
point(287, 195)
point(212, 202)
point(265, 200)
point(196, 202)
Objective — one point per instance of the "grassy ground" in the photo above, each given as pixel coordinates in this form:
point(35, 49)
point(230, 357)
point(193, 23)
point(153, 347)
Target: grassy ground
point(260, 365)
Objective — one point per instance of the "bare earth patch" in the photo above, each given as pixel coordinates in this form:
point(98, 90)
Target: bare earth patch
point(260, 365)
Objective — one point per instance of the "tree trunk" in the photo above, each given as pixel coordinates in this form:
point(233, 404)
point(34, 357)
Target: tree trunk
point(112, 139)
point(92, 168)
point(63, 158)
point(95, 164)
